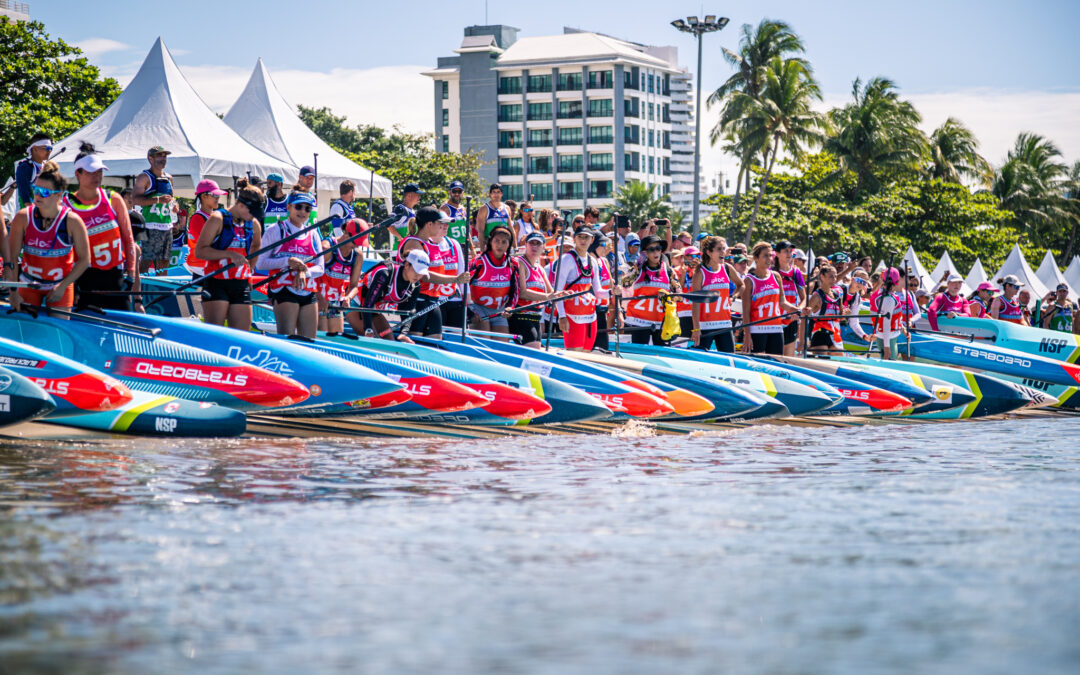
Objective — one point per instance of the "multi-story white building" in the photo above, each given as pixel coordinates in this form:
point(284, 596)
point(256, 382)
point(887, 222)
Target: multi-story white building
point(566, 118)
point(16, 11)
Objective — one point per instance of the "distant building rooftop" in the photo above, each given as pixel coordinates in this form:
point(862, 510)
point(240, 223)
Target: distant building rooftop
point(570, 47)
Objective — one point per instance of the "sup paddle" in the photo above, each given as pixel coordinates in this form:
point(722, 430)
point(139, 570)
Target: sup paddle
point(465, 293)
point(558, 263)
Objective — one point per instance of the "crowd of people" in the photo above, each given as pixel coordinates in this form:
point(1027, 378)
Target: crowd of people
point(504, 268)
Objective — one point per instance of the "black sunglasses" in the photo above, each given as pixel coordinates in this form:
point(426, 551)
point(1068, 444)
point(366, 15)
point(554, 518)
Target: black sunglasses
point(302, 207)
point(653, 249)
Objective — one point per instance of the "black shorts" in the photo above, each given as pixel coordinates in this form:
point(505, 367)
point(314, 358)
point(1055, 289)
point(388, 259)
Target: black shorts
point(526, 327)
point(287, 295)
point(724, 341)
point(232, 291)
point(686, 324)
point(644, 335)
point(603, 341)
point(823, 338)
point(791, 332)
point(430, 323)
point(767, 343)
point(102, 280)
point(451, 314)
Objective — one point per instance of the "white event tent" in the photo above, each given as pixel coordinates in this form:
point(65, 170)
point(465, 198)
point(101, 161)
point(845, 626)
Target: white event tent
point(1050, 274)
point(1072, 273)
point(911, 260)
point(1018, 265)
point(263, 117)
point(159, 107)
point(976, 276)
point(945, 264)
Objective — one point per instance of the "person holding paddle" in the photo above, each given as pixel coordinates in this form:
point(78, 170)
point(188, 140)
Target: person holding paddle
point(533, 286)
point(293, 294)
point(711, 319)
point(764, 304)
point(579, 272)
point(651, 276)
point(230, 236)
point(391, 286)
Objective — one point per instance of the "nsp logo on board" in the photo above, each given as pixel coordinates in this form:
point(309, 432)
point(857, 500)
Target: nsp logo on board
point(1052, 345)
point(991, 356)
point(165, 424)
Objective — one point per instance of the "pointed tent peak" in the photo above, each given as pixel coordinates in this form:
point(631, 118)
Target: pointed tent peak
point(1072, 273)
point(1050, 274)
point(946, 266)
point(1018, 265)
point(977, 275)
point(911, 259)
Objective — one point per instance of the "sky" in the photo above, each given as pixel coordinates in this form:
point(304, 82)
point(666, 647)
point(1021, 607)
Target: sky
point(1000, 67)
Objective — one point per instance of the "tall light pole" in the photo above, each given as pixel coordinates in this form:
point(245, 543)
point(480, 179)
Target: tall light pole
point(697, 28)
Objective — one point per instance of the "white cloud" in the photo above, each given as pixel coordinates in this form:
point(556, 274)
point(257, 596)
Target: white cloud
point(95, 47)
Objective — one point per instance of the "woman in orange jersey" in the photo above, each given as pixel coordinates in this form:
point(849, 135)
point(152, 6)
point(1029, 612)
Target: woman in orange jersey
point(207, 196)
point(651, 276)
point(54, 244)
point(448, 268)
point(763, 304)
point(710, 319)
point(230, 236)
point(108, 228)
point(533, 286)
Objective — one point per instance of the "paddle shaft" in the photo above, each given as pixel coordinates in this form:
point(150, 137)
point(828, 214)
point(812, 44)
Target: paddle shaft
point(558, 264)
point(541, 303)
point(465, 292)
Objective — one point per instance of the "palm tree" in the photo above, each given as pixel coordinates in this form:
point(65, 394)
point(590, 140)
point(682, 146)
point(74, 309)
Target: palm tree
point(954, 155)
point(1032, 183)
point(781, 119)
point(1072, 203)
point(877, 134)
point(639, 201)
point(757, 47)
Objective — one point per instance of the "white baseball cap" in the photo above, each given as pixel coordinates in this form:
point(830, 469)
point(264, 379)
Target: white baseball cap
point(798, 254)
point(90, 163)
point(419, 261)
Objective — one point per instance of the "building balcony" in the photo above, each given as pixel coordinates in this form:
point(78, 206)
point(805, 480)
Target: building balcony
point(510, 118)
point(570, 114)
point(510, 171)
point(539, 117)
point(569, 86)
point(540, 144)
point(605, 166)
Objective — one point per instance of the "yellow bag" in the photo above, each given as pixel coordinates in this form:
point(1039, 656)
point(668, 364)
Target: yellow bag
point(670, 327)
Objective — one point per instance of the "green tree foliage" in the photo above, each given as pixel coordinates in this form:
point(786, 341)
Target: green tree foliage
point(640, 201)
point(954, 155)
point(46, 86)
point(400, 156)
point(876, 136)
point(931, 215)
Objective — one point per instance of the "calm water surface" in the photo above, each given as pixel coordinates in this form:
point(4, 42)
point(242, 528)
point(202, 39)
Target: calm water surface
point(934, 548)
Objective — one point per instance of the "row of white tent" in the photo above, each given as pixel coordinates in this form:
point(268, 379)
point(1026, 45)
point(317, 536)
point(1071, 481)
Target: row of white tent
point(260, 134)
point(1040, 282)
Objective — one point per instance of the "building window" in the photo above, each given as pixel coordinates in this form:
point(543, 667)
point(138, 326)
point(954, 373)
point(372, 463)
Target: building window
point(652, 139)
point(570, 163)
point(570, 190)
point(632, 161)
point(446, 143)
point(569, 110)
point(667, 85)
point(665, 113)
point(651, 90)
point(509, 139)
point(510, 113)
point(539, 111)
point(445, 89)
point(601, 107)
point(445, 117)
point(539, 164)
point(651, 112)
point(569, 135)
point(601, 79)
point(667, 166)
point(510, 85)
point(667, 140)
point(652, 165)
point(569, 82)
point(631, 107)
point(510, 166)
point(632, 134)
point(513, 191)
point(539, 83)
point(630, 78)
point(599, 189)
point(601, 161)
point(601, 135)
point(542, 192)
point(539, 138)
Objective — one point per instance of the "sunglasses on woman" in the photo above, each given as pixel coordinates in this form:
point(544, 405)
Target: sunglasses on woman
point(653, 249)
point(44, 193)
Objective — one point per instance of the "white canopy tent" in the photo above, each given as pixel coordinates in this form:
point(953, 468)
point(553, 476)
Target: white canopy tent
point(159, 107)
point(976, 276)
point(1072, 273)
point(911, 260)
point(945, 264)
point(263, 117)
point(1050, 274)
point(1018, 265)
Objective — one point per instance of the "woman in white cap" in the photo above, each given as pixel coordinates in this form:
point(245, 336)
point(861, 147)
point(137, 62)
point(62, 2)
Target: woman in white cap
point(1006, 307)
point(391, 286)
point(112, 246)
point(949, 302)
point(294, 293)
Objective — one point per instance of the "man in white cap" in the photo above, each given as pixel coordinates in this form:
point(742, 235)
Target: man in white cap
point(27, 170)
point(392, 286)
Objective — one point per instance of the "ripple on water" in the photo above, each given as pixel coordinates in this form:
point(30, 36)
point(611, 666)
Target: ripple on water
point(895, 548)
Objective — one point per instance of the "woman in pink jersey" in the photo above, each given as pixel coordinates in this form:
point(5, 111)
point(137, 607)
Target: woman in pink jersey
point(293, 293)
point(979, 302)
point(578, 272)
point(229, 236)
point(492, 286)
point(1006, 307)
point(712, 320)
point(763, 304)
point(533, 286)
point(448, 269)
point(949, 302)
point(794, 286)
